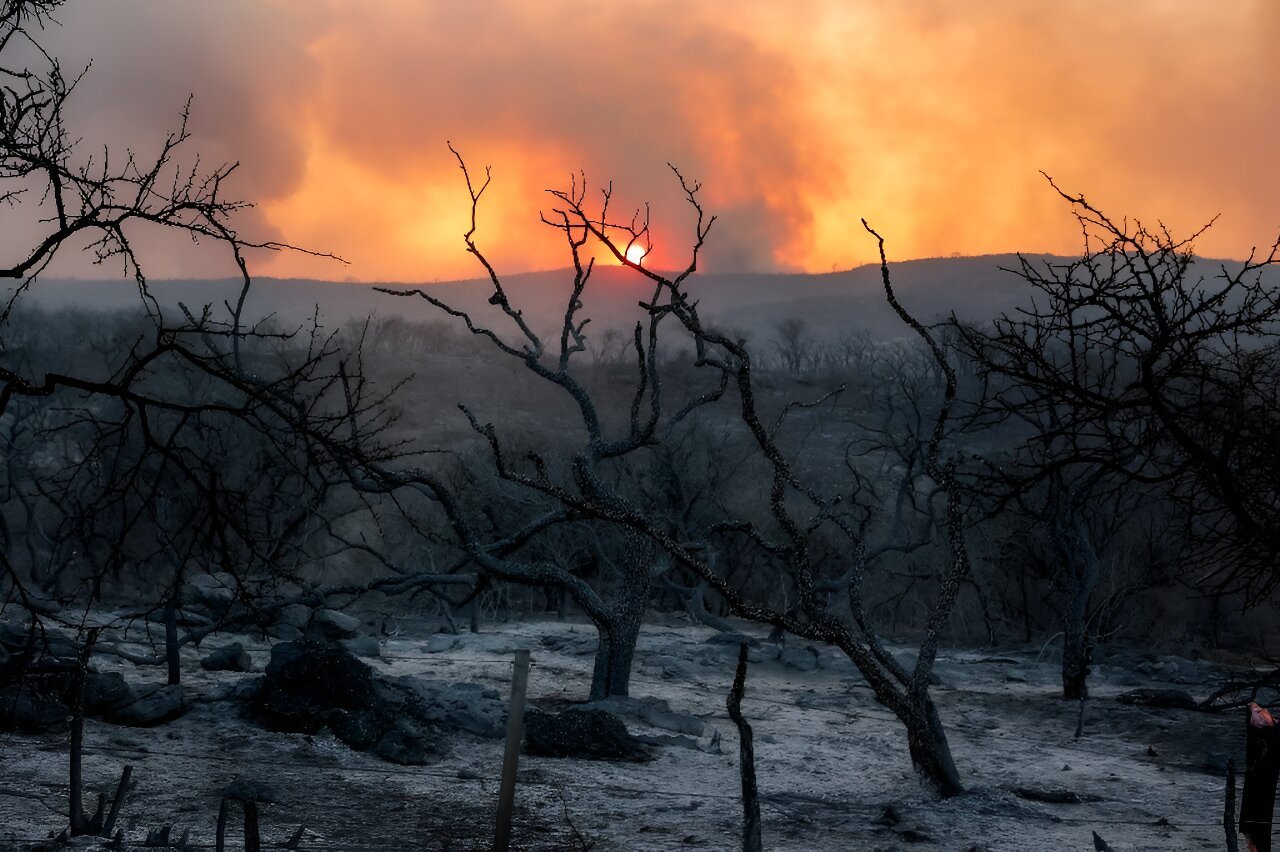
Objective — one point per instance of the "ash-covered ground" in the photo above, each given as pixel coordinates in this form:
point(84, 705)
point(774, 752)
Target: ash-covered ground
point(832, 763)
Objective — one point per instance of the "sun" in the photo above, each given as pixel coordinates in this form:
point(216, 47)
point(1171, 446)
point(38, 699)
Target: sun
point(636, 253)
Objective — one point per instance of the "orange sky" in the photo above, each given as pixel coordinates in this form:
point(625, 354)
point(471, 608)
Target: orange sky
point(931, 118)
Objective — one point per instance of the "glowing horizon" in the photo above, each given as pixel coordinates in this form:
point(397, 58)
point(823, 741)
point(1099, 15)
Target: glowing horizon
point(931, 119)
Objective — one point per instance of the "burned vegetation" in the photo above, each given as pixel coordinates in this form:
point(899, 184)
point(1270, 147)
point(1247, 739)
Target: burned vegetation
point(969, 584)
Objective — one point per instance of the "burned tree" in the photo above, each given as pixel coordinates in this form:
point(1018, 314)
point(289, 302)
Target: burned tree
point(792, 514)
point(616, 606)
point(1136, 360)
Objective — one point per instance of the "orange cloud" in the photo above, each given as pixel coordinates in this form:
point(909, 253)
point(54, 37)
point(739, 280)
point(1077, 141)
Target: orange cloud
point(932, 119)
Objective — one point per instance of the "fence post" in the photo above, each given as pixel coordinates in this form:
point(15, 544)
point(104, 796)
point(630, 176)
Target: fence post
point(220, 837)
point(252, 838)
point(511, 758)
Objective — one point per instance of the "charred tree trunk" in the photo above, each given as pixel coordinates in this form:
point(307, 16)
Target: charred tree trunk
point(1076, 657)
point(1080, 561)
point(75, 770)
point(930, 751)
point(615, 653)
point(746, 758)
point(171, 649)
point(620, 629)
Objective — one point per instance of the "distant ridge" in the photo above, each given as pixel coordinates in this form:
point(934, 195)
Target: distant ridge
point(850, 300)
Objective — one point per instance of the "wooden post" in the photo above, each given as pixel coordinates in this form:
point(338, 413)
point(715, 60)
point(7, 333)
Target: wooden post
point(511, 759)
point(220, 839)
point(122, 789)
point(252, 838)
point(746, 758)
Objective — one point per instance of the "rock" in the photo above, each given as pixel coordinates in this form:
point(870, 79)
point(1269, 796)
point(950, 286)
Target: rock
point(404, 744)
point(363, 646)
point(1175, 699)
point(285, 633)
point(12, 637)
point(104, 692)
point(308, 686)
point(654, 712)
point(294, 615)
point(24, 708)
point(589, 734)
point(440, 642)
point(470, 707)
point(212, 592)
point(1054, 795)
point(305, 683)
point(152, 705)
point(332, 624)
point(803, 659)
point(291, 623)
point(312, 685)
point(829, 659)
point(230, 658)
point(734, 639)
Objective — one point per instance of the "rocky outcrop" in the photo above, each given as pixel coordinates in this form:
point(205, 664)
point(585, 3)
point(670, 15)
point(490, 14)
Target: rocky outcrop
point(590, 734)
point(312, 685)
point(230, 658)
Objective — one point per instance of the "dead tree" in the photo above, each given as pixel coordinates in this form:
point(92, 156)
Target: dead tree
point(746, 758)
point(794, 512)
point(1137, 359)
point(174, 410)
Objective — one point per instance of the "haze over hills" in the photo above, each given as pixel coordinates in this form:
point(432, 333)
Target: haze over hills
point(851, 300)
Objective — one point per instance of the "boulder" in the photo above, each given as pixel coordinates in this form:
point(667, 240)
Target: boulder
point(294, 615)
point(312, 685)
point(291, 622)
point(654, 712)
point(151, 705)
point(105, 692)
point(470, 707)
point(12, 636)
point(588, 734)
point(803, 658)
point(211, 592)
point(24, 708)
point(309, 686)
point(332, 624)
point(306, 682)
point(440, 642)
point(230, 658)
point(363, 646)
point(405, 744)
